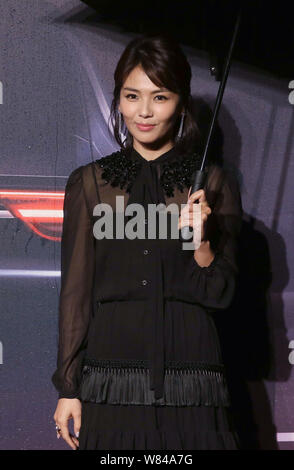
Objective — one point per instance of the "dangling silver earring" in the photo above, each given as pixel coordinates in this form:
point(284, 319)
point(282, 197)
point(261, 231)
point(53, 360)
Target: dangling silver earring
point(121, 133)
point(181, 126)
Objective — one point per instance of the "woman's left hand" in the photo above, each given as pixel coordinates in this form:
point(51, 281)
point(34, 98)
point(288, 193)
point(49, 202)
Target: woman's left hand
point(187, 215)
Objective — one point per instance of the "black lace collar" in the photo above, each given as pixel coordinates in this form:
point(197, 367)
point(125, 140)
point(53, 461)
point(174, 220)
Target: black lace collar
point(121, 169)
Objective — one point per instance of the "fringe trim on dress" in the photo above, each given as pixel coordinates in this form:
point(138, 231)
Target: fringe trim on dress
point(111, 383)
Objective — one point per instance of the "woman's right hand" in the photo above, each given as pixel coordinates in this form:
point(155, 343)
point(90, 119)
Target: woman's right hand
point(68, 408)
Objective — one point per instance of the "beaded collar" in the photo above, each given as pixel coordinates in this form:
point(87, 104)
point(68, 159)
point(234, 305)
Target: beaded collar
point(120, 170)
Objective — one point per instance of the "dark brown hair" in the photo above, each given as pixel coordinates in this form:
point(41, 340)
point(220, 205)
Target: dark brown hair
point(163, 60)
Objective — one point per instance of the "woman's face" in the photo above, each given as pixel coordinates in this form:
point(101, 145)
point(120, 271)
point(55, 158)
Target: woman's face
point(142, 102)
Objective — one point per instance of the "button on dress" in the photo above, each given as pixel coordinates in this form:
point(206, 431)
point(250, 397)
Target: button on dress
point(137, 341)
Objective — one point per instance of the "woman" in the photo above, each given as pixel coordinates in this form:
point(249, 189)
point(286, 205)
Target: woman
point(139, 362)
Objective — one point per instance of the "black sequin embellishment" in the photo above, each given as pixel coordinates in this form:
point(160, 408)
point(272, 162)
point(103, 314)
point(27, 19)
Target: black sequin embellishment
point(119, 170)
point(179, 173)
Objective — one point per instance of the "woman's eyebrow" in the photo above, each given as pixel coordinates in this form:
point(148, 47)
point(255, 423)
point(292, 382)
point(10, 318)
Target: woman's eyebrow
point(154, 91)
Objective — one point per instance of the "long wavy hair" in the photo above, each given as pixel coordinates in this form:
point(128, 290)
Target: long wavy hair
point(163, 60)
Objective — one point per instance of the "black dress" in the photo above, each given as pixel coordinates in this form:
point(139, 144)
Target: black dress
point(137, 341)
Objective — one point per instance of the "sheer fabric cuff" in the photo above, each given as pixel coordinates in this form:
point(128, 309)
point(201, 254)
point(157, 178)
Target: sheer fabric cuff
point(208, 270)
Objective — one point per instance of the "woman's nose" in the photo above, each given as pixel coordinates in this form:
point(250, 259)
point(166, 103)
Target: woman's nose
point(145, 109)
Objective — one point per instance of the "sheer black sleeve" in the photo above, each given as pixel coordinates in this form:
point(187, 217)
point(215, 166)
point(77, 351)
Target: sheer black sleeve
point(214, 285)
point(77, 274)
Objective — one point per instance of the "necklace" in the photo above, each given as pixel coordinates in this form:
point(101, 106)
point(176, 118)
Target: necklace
point(119, 170)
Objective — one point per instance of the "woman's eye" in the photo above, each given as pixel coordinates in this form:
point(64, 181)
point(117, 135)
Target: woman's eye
point(157, 96)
